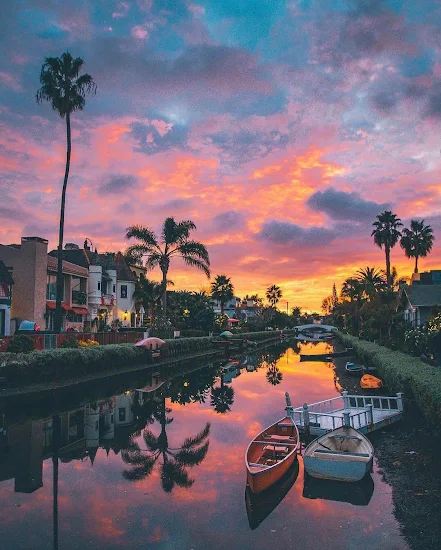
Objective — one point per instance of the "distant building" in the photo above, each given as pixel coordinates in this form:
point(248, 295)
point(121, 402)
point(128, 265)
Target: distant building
point(6, 282)
point(427, 278)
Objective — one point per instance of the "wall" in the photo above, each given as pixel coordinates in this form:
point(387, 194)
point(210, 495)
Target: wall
point(124, 304)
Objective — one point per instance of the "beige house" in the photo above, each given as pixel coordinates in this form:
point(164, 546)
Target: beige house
point(34, 275)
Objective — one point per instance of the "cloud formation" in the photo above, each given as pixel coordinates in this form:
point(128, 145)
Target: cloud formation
point(281, 131)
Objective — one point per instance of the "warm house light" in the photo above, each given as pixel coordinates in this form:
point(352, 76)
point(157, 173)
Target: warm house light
point(126, 313)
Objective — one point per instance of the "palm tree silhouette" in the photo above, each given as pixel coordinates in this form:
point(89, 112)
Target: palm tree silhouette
point(371, 280)
point(222, 290)
point(387, 234)
point(173, 462)
point(417, 241)
point(273, 295)
point(66, 91)
point(222, 397)
point(273, 374)
point(174, 242)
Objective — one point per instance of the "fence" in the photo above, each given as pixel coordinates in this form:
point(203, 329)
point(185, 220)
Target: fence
point(52, 341)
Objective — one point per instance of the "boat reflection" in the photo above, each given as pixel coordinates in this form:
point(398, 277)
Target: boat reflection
point(358, 494)
point(259, 506)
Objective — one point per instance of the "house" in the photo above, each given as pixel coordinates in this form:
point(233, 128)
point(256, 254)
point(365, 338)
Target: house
point(34, 273)
point(111, 285)
point(419, 301)
point(6, 282)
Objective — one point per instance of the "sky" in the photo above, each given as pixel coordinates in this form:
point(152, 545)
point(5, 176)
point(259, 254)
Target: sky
point(281, 128)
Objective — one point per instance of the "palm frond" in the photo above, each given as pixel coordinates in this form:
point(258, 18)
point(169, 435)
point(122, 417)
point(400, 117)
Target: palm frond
point(192, 457)
point(197, 439)
point(198, 264)
point(194, 249)
point(143, 234)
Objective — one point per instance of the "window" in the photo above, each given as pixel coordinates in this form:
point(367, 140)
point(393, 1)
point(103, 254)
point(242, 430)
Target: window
point(99, 285)
point(114, 289)
point(123, 291)
point(122, 414)
point(51, 287)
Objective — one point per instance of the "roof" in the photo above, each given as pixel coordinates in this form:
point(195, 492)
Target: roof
point(108, 261)
point(5, 276)
point(423, 295)
point(68, 267)
point(123, 271)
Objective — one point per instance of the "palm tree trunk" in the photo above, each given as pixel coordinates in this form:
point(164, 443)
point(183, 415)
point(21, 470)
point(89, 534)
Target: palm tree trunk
point(58, 319)
point(416, 264)
point(387, 252)
point(164, 287)
point(56, 427)
point(222, 307)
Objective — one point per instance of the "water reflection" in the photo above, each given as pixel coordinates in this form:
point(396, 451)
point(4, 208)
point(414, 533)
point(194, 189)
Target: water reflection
point(173, 462)
point(259, 506)
point(358, 494)
point(163, 465)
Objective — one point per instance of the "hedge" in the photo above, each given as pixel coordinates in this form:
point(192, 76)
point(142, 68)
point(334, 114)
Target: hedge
point(64, 363)
point(402, 373)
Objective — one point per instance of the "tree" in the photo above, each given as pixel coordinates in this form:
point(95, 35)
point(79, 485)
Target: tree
point(273, 295)
point(387, 234)
point(222, 290)
point(148, 294)
point(174, 242)
point(417, 241)
point(273, 374)
point(372, 281)
point(222, 397)
point(62, 86)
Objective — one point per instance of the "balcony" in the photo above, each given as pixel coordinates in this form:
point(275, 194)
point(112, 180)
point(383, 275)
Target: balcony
point(79, 297)
point(107, 300)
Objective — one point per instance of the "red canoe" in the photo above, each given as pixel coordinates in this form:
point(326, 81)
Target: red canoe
point(271, 453)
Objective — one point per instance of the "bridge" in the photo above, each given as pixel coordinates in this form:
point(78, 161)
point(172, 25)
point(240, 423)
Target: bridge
point(314, 328)
point(365, 413)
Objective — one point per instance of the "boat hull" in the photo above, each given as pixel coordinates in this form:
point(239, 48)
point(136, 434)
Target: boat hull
point(260, 481)
point(344, 471)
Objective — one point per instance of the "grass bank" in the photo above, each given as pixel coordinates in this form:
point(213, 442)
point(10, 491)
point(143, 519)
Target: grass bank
point(59, 364)
point(402, 372)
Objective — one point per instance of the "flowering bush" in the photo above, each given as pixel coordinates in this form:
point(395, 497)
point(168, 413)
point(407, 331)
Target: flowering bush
point(434, 323)
point(416, 341)
point(88, 343)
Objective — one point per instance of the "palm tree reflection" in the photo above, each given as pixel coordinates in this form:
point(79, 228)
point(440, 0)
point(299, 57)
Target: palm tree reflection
point(273, 374)
point(222, 397)
point(173, 462)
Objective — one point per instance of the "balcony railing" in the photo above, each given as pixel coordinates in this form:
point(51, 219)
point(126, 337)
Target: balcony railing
point(107, 300)
point(79, 297)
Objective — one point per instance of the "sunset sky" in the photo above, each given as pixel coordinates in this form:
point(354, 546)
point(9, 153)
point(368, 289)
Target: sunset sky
point(281, 128)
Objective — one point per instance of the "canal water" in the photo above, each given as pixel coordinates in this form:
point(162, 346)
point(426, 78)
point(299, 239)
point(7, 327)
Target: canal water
point(163, 468)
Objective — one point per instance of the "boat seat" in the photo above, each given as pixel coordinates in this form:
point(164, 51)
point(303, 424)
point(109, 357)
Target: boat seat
point(281, 437)
point(276, 448)
point(325, 451)
point(345, 437)
point(256, 465)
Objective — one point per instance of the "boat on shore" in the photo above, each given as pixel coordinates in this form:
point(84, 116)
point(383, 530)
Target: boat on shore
point(324, 356)
point(353, 368)
point(344, 454)
point(271, 453)
point(370, 382)
point(259, 506)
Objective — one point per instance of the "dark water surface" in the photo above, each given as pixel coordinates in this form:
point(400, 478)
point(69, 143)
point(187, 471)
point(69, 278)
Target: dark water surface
point(178, 495)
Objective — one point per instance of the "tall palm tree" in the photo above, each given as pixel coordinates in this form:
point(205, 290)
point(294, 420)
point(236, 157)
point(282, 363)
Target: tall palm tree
point(222, 290)
point(174, 463)
point(417, 241)
point(387, 234)
point(174, 242)
point(372, 281)
point(62, 86)
point(273, 295)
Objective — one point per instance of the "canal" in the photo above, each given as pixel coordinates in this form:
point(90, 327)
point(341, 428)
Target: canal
point(163, 468)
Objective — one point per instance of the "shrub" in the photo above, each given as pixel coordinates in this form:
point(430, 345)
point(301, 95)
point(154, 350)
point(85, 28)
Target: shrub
point(403, 373)
point(416, 341)
point(70, 343)
point(21, 344)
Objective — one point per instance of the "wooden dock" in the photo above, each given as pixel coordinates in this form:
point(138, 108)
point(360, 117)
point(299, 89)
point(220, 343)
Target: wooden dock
point(363, 412)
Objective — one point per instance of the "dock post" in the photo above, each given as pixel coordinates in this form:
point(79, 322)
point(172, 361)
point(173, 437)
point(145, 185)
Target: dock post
point(370, 410)
point(289, 407)
point(306, 418)
point(344, 394)
point(400, 405)
point(346, 419)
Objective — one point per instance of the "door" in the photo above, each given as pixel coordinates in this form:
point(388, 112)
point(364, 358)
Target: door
point(2, 322)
